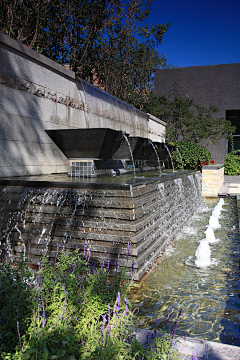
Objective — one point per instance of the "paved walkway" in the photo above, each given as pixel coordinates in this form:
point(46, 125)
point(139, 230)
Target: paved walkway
point(231, 186)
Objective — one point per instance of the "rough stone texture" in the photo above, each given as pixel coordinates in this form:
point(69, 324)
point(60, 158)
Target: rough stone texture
point(191, 348)
point(147, 216)
point(208, 85)
point(212, 180)
point(37, 94)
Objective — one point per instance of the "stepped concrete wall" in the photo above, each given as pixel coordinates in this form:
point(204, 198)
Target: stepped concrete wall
point(37, 94)
point(147, 216)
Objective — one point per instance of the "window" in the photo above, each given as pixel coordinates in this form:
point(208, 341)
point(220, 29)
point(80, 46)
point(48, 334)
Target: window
point(234, 117)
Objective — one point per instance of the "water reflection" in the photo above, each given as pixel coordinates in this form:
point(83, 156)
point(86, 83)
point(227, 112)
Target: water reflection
point(210, 296)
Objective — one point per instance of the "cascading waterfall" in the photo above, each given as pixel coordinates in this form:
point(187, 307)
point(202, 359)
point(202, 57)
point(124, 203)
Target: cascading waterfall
point(178, 182)
point(37, 216)
point(203, 253)
point(161, 189)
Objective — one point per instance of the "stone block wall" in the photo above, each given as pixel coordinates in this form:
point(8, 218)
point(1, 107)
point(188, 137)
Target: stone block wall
point(147, 216)
point(212, 180)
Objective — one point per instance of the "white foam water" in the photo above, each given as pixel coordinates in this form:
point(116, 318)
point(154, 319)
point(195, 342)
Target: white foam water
point(210, 237)
point(203, 254)
point(216, 211)
point(214, 223)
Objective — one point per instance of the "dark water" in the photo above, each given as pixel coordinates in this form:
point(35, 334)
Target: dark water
point(209, 297)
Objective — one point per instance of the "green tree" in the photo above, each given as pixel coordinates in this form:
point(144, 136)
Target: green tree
point(189, 121)
point(128, 54)
point(108, 40)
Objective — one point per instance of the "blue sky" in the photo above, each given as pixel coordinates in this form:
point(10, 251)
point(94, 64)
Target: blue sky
point(202, 32)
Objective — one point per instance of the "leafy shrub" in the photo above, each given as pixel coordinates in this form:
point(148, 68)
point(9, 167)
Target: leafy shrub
point(232, 163)
point(193, 155)
point(69, 310)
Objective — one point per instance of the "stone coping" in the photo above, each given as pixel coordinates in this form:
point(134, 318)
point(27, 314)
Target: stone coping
point(213, 166)
point(191, 348)
point(152, 117)
point(55, 181)
point(25, 50)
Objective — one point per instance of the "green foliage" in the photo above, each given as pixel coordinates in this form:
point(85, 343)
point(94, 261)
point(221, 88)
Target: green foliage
point(193, 155)
point(232, 163)
point(189, 121)
point(15, 303)
point(70, 310)
point(106, 42)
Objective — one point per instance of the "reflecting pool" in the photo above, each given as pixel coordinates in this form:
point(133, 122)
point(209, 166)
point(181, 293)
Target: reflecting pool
point(209, 296)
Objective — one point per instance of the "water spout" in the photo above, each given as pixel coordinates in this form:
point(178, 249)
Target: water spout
point(203, 254)
point(130, 150)
point(150, 142)
point(169, 156)
point(180, 157)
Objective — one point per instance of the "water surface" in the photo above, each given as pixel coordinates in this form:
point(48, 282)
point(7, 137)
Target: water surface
point(209, 297)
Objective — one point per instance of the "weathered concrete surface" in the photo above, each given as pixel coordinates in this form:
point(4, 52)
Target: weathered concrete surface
point(37, 94)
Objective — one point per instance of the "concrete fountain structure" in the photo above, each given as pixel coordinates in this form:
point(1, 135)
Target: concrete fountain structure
point(54, 124)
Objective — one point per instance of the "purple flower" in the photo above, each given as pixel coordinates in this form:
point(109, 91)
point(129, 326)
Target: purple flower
point(102, 265)
point(143, 356)
point(175, 324)
point(108, 263)
point(89, 252)
point(167, 318)
point(56, 253)
point(117, 306)
point(133, 263)
point(19, 337)
point(104, 319)
point(44, 315)
point(65, 301)
point(109, 316)
point(85, 243)
point(55, 281)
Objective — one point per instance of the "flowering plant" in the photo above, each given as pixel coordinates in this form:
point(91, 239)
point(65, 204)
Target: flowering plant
point(208, 162)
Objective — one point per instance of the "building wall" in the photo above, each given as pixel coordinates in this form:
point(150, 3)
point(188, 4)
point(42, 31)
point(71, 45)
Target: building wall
point(208, 85)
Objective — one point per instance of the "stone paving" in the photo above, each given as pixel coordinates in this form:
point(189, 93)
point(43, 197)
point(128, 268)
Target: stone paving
point(231, 186)
point(196, 349)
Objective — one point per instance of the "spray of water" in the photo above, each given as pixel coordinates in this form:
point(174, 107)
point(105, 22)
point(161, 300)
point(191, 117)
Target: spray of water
point(203, 253)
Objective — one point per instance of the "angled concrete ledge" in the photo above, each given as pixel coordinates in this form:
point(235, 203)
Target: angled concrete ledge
point(23, 49)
